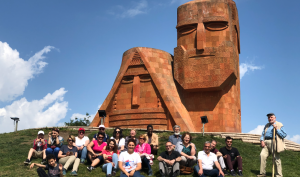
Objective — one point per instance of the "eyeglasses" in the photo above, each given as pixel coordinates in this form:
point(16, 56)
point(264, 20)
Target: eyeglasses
point(169, 145)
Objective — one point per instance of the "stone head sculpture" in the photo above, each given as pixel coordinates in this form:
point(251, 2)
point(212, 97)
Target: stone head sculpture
point(208, 44)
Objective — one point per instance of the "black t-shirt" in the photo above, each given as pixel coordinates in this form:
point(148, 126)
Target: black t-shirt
point(232, 153)
point(64, 149)
point(53, 171)
point(173, 155)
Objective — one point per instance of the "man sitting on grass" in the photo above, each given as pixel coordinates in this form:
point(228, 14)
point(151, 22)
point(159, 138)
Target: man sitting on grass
point(39, 148)
point(54, 170)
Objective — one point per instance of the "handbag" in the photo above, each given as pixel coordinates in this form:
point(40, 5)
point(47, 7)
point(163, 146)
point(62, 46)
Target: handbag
point(186, 170)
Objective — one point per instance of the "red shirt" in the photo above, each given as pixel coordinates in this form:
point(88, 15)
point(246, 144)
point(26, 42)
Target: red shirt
point(39, 146)
point(110, 154)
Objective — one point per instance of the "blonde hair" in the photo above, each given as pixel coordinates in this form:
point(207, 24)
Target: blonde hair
point(72, 137)
point(143, 136)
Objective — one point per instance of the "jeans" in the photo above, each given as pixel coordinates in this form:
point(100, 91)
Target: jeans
point(146, 163)
point(136, 174)
point(212, 173)
point(82, 154)
point(108, 166)
point(53, 151)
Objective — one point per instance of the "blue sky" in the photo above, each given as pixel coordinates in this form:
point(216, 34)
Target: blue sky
point(59, 59)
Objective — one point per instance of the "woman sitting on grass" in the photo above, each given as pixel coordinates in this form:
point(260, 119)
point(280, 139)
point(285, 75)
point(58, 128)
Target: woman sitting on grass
point(68, 156)
point(144, 150)
point(186, 150)
point(81, 143)
point(110, 156)
point(95, 149)
point(118, 136)
point(130, 161)
point(54, 170)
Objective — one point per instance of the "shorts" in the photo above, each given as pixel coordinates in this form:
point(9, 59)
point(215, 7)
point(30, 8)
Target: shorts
point(37, 154)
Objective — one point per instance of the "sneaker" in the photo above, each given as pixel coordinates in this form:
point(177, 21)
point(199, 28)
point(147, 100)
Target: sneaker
point(150, 172)
point(225, 172)
point(240, 173)
point(43, 162)
point(232, 173)
point(82, 161)
point(73, 173)
point(27, 162)
point(90, 168)
point(113, 173)
point(261, 175)
point(64, 171)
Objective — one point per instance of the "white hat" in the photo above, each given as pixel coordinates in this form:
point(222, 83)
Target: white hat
point(41, 132)
point(101, 126)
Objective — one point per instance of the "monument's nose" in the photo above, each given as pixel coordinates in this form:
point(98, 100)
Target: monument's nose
point(201, 42)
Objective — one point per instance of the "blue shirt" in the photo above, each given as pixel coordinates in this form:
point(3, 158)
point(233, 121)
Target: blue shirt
point(174, 140)
point(269, 134)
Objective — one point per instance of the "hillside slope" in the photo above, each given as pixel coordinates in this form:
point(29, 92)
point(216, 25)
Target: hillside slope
point(14, 148)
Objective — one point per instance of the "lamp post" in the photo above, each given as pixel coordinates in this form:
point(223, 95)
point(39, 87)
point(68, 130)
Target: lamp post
point(102, 113)
point(204, 121)
point(16, 119)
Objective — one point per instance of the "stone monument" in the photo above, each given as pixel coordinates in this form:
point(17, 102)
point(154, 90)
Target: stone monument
point(202, 79)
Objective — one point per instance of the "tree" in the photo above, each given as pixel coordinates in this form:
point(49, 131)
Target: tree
point(79, 122)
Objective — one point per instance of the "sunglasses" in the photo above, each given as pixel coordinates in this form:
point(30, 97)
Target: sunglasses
point(70, 140)
point(81, 132)
point(100, 137)
point(118, 131)
point(101, 128)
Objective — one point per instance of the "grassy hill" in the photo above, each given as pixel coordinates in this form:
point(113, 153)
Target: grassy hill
point(14, 149)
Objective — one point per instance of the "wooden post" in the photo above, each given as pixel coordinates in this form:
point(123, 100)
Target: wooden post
point(273, 152)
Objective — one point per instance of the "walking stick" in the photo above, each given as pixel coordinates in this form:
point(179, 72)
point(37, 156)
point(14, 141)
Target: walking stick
point(273, 171)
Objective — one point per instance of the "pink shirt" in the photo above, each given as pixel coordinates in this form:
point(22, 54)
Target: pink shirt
point(145, 148)
point(109, 153)
point(96, 148)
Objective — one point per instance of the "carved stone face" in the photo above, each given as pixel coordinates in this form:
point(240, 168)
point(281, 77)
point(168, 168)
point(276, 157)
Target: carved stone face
point(207, 44)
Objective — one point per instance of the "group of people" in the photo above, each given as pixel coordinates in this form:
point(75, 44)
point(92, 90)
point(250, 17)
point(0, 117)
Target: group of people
point(130, 154)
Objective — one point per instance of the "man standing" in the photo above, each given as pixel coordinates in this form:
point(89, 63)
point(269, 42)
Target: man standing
point(176, 137)
point(38, 149)
point(232, 157)
point(169, 161)
point(101, 130)
point(219, 156)
point(152, 139)
point(206, 161)
point(266, 144)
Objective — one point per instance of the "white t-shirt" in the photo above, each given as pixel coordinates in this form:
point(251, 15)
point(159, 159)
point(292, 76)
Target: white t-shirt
point(129, 161)
point(207, 161)
point(121, 142)
point(80, 142)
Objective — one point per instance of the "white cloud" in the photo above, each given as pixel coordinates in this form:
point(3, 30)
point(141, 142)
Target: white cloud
point(257, 130)
point(78, 115)
point(15, 71)
point(37, 113)
point(138, 8)
point(245, 67)
point(295, 138)
point(179, 1)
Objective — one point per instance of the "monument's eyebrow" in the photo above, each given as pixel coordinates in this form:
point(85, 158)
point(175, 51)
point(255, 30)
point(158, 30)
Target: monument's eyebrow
point(186, 24)
point(215, 19)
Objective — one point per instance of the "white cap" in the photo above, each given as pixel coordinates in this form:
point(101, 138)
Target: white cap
point(101, 126)
point(41, 132)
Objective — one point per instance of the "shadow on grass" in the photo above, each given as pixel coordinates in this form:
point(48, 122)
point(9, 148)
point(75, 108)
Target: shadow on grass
point(256, 172)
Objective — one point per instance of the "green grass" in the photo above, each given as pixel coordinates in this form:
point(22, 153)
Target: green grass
point(14, 148)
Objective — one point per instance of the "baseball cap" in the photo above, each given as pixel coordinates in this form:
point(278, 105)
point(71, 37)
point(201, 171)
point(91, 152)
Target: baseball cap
point(81, 129)
point(41, 132)
point(101, 126)
point(270, 114)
